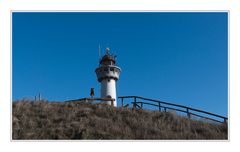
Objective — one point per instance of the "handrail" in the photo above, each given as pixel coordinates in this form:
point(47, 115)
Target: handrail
point(180, 111)
point(92, 99)
point(176, 105)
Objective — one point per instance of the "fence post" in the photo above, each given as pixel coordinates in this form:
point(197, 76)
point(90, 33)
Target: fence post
point(225, 120)
point(159, 105)
point(165, 109)
point(39, 97)
point(112, 103)
point(122, 102)
point(134, 104)
point(188, 114)
point(141, 105)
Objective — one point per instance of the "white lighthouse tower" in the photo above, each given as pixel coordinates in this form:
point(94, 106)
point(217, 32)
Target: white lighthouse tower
point(108, 74)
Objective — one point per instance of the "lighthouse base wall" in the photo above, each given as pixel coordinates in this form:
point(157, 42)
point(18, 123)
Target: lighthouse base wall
point(108, 88)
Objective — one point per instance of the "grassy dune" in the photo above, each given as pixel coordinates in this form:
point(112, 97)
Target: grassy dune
point(65, 120)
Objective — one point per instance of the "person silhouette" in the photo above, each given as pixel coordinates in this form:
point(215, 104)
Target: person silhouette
point(92, 92)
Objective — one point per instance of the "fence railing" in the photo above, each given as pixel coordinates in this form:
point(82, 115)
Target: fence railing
point(93, 99)
point(165, 106)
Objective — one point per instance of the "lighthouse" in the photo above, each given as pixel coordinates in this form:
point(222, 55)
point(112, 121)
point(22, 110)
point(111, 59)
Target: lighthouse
point(108, 74)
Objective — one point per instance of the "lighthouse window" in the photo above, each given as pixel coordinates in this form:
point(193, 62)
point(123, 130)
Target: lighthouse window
point(111, 69)
point(108, 80)
point(106, 69)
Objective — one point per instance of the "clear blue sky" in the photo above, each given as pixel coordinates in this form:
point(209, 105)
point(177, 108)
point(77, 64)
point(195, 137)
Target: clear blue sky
point(176, 57)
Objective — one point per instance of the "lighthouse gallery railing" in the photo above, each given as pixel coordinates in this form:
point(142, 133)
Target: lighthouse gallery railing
point(170, 106)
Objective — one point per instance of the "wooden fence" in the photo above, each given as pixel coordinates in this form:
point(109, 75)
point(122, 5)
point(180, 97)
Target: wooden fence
point(92, 99)
point(138, 102)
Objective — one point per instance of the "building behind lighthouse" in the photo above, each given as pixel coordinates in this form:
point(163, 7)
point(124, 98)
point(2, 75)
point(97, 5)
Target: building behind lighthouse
point(108, 74)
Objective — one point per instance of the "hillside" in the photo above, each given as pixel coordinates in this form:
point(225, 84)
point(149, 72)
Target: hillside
point(65, 120)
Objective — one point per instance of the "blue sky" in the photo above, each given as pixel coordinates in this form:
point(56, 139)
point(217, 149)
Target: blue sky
point(175, 57)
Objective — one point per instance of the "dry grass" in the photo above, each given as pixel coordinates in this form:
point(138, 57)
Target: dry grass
point(61, 120)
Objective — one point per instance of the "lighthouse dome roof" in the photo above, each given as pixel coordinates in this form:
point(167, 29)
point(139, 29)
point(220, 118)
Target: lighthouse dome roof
point(107, 58)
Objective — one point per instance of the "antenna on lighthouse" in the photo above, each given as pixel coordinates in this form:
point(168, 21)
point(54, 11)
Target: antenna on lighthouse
point(99, 52)
point(107, 50)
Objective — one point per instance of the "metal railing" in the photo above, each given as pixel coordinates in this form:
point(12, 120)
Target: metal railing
point(170, 106)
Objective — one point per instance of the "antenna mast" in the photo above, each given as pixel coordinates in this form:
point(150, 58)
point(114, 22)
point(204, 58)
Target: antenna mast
point(99, 52)
point(107, 50)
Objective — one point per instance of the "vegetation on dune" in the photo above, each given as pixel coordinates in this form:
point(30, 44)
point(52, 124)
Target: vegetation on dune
point(68, 120)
